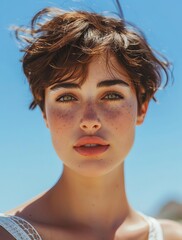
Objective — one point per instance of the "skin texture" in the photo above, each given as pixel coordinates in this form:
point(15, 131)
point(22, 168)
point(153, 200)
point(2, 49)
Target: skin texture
point(89, 200)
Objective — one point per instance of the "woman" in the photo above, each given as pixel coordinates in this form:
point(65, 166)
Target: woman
point(92, 77)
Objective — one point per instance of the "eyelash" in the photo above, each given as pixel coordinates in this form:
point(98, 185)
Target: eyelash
point(66, 95)
point(116, 98)
point(119, 96)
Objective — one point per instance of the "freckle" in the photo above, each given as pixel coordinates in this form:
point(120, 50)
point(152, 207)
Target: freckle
point(58, 115)
point(65, 115)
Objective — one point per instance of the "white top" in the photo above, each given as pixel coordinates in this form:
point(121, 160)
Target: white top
point(20, 229)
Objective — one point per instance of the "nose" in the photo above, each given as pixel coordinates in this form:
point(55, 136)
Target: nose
point(90, 126)
point(90, 122)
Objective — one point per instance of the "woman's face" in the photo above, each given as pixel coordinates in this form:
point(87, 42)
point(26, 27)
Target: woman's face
point(93, 125)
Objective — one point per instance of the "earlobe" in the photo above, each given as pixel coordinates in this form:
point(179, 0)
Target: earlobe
point(142, 114)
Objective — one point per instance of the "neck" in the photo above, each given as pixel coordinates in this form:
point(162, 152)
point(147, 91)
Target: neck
point(93, 202)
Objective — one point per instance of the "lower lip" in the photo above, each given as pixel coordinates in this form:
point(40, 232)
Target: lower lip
point(91, 151)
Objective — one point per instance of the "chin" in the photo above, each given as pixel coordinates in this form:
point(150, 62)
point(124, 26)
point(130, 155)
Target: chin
point(94, 168)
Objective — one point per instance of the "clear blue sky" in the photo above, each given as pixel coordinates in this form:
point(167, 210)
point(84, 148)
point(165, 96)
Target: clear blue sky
point(28, 162)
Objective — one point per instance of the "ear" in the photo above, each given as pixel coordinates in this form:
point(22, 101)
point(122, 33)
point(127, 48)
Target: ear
point(45, 118)
point(142, 113)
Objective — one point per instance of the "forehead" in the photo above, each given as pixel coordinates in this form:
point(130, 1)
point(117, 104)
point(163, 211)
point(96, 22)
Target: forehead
point(106, 67)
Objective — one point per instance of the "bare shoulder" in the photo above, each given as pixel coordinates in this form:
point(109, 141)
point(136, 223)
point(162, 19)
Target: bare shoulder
point(5, 235)
point(172, 230)
point(26, 209)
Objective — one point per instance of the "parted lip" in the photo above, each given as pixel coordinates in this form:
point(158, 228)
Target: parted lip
point(90, 140)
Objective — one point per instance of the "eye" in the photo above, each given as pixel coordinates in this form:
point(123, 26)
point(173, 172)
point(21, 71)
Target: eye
point(66, 98)
point(113, 96)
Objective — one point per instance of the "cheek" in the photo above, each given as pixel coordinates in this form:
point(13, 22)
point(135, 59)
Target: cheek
point(59, 120)
point(123, 116)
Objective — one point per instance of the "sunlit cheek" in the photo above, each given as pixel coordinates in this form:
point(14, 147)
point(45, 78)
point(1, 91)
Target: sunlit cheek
point(60, 120)
point(121, 115)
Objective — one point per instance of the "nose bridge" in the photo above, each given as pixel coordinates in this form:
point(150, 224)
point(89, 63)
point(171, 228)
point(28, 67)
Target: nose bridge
point(89, 111)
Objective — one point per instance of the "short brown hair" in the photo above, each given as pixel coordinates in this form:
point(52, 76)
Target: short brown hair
point(60, 45)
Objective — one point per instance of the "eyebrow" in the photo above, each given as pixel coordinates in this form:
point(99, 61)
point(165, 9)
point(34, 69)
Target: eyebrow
point(104, 83)
point(64, 85)
point(108, 83)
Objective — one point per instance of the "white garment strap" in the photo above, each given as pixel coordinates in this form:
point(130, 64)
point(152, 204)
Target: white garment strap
point(155, 232)
point(13, 228)
point(19, 228)
point(155, 229)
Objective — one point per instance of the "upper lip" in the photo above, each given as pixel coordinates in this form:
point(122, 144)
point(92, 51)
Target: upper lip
point(90, 140)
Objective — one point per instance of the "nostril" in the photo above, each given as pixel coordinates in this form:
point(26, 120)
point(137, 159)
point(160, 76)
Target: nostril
point(90, 126)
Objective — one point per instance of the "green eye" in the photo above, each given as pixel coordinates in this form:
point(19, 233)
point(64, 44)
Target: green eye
point(66, 98)
point(113, 96)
